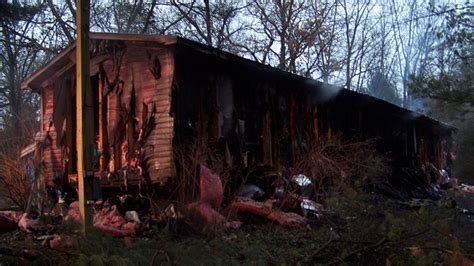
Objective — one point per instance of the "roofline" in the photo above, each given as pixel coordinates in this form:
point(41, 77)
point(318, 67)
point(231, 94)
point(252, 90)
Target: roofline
point(25, 84)
point(227, 55)
point(163, 39)
point(231, 56)
point(417, 116)
point(169, 40)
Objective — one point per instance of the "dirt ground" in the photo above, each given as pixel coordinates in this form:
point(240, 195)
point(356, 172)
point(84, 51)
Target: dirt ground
point(358, 228)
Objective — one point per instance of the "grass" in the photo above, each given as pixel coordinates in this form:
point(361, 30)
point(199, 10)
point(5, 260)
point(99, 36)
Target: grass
point(359, 228)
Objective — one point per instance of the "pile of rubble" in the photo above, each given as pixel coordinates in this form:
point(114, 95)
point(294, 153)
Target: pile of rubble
point(286, 201)
point(47, 228)
point(251, 200)
point(116, 218)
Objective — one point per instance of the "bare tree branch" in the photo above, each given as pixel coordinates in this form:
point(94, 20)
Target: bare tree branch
point(149, 16)
point(61, 22)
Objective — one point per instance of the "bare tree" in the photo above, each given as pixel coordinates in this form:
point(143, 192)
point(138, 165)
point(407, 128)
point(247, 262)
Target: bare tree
point(381, 62)
point(20, 52)
point(210, 22)
point(290, 28)
point(136, 16)
point(357, 27)
point(64, 19)
point(414, 38)
point(322, 57)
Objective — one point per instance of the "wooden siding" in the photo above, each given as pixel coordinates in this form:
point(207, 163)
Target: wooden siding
point(51, 152)
point(135, 71)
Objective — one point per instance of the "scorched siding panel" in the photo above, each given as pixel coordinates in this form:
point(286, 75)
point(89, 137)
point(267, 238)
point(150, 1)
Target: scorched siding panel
point(51, 154)
point(136, 72)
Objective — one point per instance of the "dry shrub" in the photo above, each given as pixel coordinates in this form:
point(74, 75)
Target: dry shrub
point(334, 166)
point(187, 158)
point(184, 188)
point(13, 181)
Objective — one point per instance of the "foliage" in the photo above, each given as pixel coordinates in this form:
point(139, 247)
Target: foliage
point(188, 157)
point(454, 88)
point(447, 87)
point(451, 78)
point(457, 33)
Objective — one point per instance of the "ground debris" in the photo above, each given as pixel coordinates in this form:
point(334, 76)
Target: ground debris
point(108, 220)
point(30, 222)
point(62, 242)
point(381, 231)
point(9, 220)
point(211, 199)
point(132, 216)
point(265, 210)
point(467, 188)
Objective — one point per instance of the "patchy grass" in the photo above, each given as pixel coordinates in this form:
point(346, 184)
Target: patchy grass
point(359, 228)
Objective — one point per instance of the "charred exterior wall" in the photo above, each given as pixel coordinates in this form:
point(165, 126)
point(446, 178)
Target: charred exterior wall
point(137, 86)
point(131, 84)
point(262, 116)
point(250, 116)
point(152, 99)
point(51, 152)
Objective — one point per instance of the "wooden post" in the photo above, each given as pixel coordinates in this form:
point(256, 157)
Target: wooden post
point(102, 165)
point(84, 141)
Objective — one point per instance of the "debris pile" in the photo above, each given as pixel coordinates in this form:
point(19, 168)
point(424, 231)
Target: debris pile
point(61, 242)
point(278, 207)
point(118, 217)
point(106, 218)
point(270, 197)
point(467, 188)
point(266, 209)
point(211, 199)
point(112, 223)
point(9, 220)
point(30, 222)
point(109, 220)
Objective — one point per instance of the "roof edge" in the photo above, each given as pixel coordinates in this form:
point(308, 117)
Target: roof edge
point(28, 83)
point(169, 40)
point(163, 39)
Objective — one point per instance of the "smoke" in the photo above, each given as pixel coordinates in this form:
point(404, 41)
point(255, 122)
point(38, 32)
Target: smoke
point(418, 105)
point(325, 91)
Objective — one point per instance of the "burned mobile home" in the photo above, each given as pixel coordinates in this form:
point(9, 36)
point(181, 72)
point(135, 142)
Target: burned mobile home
point(155, 94)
